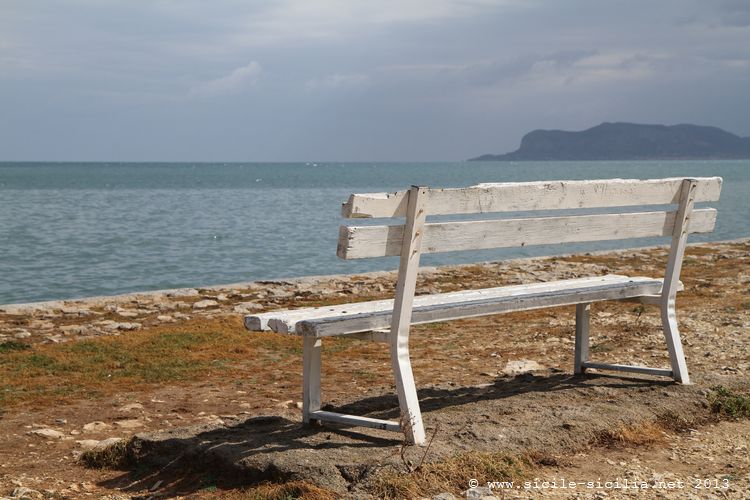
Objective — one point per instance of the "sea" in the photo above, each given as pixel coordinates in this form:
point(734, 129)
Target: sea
point(71, 230)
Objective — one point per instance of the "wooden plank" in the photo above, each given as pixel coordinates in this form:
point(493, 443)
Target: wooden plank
point(523, 196)
point(583, 319)
point(285, 321)
point(531, 299)
point(310, 376)
point(684, 220)
point(406, 285)
point(629, 368)
point(342, 418)
point(358, 242)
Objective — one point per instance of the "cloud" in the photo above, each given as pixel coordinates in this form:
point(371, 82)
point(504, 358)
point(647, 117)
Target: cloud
point(239, 79)
point(338, 81)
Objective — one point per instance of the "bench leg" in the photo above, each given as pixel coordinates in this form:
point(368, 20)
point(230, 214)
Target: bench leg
point(674, 343)
point(411, 415)
point(310, 377)
point(583, 319)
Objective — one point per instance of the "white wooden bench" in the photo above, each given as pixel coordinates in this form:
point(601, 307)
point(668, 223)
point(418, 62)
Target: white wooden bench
point(389, 320)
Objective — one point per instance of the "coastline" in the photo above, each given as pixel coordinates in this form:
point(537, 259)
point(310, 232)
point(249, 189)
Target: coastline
point(312, 280)
point(63, 320)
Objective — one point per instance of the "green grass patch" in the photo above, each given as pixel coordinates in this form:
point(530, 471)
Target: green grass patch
point(12, 345)
point(91, 368)
point(726, 403)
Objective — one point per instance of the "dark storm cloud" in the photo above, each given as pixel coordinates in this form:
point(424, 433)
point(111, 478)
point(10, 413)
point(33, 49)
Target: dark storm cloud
point(355, 80)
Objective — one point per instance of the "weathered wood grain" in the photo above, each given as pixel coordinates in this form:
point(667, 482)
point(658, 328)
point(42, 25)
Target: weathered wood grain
point(523, 196)
point(500, 300)
point(357, 242)
point(285, 321)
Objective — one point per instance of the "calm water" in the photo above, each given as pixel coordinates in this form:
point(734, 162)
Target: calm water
point(73, 230)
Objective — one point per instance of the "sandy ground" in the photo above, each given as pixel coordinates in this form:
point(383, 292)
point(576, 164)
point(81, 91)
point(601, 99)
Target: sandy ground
point(212, 436)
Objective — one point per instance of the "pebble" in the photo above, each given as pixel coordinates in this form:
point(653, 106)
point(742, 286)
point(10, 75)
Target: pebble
point(88, 444)
point(23, 493)
point(47, 433)
point(104, 443)
point(97, 426)
point(520, 366)
point(247, 307)
point(444, 496)
point(129, 424)
point(131, 407)
point(127, 314)
point(23, 334)
point(73, 329)
point(478, 493)
point(114, 325)
point(204, 304)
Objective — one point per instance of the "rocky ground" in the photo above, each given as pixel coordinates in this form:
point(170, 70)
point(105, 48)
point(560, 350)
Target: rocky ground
point(214, 409)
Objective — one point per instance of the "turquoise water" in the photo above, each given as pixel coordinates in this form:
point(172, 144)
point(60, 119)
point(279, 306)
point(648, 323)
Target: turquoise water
point(80, 229)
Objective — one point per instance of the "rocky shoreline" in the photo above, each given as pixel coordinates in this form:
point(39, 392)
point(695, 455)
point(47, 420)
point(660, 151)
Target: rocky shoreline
point(64, 320)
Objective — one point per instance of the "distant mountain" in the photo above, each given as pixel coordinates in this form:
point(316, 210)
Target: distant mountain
point(628, 141)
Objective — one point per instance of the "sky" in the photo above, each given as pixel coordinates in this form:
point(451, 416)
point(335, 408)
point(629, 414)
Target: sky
point(351, 80)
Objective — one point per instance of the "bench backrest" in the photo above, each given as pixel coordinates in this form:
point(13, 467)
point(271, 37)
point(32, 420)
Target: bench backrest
point(383, 240)
point(415, 236)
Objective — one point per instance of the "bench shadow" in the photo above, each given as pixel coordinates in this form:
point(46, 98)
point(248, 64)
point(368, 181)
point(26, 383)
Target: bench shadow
point(189, 460)
point(433, 399)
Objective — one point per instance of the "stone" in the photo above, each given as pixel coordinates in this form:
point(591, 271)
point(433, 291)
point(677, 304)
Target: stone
point(517, 367)
point(114, 326)
point(71, 310)
point(165, 318)
point(131, 407)
point(88, 444)
point(22, 334)
point(24, 493)
point(105, 443)
point(205, 304)
point(247, 307)
point(42, 325)
point(127, 314)
point(478, 493)
point(183, 292)
point(444, 496)
point(129, 424)
point(97, 426)
point(47, 433)
point(73, 329)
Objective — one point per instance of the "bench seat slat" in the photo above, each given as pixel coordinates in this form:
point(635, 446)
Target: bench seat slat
point(374, 315)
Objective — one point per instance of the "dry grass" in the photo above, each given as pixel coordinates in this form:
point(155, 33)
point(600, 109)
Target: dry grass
point(641, 434)
point(276, 491)
point(46, 374)
point(452, 474)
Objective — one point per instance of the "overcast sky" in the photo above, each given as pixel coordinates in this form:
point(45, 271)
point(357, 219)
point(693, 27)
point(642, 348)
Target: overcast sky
point(349, 80)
